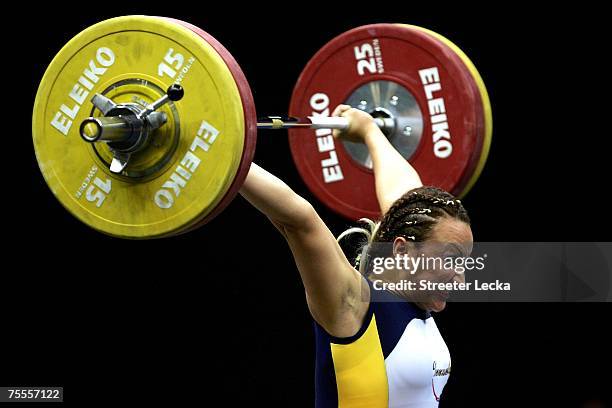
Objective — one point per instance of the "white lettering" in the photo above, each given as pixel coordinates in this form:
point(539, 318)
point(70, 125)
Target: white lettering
point(171, 189)
point(430, 78)
point(80, 90)
point(61, 123)
point(98, 195)
point(78, 94)
point(105, 56)
point(164, 199)
point(319, 102)
point(330, 168)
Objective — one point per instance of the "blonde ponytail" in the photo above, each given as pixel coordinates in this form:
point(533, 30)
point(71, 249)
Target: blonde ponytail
point(369, 232)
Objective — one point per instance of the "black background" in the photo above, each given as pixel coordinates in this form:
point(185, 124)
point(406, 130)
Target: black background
point(221, 311)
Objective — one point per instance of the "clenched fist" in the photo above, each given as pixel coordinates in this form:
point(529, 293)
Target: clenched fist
point(360, 124)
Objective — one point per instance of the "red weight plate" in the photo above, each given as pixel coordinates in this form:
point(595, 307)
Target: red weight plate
point(250, 119)
point(396, 54)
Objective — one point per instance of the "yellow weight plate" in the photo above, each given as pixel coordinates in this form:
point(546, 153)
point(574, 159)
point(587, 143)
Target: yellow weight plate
point(486, 104)
point(191, 161)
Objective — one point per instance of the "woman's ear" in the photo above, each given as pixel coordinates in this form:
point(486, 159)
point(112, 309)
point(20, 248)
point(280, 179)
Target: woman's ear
point(402, 246)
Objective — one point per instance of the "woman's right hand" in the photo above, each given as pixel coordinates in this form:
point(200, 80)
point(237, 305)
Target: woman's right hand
point(360, 124)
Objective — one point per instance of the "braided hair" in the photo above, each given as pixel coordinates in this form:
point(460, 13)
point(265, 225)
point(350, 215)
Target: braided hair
point(412, 216)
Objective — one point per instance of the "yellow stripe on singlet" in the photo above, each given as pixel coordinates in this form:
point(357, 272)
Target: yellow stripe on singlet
point(360, 371)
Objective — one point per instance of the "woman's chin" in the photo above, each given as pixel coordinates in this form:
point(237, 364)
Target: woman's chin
point(433, 304)
point(437, 305)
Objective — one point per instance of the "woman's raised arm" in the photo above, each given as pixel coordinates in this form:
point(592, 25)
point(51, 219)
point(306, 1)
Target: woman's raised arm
point(332, 285)
point(392, 172)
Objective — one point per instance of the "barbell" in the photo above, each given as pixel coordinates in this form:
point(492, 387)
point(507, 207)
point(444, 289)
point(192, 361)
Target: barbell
point(145, 127)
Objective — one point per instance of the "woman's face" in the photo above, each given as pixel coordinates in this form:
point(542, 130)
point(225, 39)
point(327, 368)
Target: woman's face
point(450, 238)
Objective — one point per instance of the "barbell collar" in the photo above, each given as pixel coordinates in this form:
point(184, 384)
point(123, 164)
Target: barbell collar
point(112, 129)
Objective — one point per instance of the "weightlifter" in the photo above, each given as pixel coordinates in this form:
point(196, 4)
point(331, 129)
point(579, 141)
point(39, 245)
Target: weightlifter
point(373, 348)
